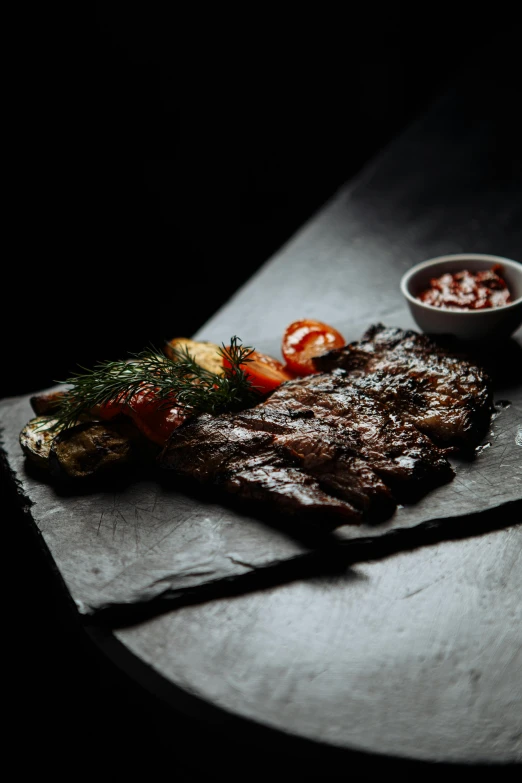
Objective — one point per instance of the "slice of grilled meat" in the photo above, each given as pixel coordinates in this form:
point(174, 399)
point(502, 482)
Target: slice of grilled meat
point(443, 395)
point(370, 430)
point(294, 465)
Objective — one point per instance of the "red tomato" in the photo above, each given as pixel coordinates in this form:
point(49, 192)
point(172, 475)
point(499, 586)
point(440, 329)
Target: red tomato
point(156, 419)
point(305, 339)
point(263, 371)
point(109, 410)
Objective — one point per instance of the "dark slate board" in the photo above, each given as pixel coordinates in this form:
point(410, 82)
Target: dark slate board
point(412, 654)
point(414, 657)
point(148, 540)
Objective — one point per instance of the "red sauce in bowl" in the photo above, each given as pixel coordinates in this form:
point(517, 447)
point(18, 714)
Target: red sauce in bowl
point(467, 290)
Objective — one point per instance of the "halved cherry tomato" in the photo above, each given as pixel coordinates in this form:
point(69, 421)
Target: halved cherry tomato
point(263, 371)
point(156, 419)
point(305, 339)
point(109, 409)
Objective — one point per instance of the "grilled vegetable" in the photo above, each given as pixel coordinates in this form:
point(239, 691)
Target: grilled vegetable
point(306, 339)
point(180, 382)
point(36, 439)
point(121, 412)
point(264, 372)
point(95, 447)
point(204, 353)
point(47, 403)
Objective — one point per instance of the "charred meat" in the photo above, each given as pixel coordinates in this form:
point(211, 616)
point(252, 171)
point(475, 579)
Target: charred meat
point(443, 395)
point(370, 429)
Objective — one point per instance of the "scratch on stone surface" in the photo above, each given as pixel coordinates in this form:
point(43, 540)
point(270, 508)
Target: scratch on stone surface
point(136, 511)
point(314, 675)
point(464, 492)
point(184, 574)
point(136, 527)
point(424, 587)
point(484, 478)
point(115, 524)
point(144, 510)
point(507, 549)
point(459, 479)
point(500, 672)
point(512, 465)
point(506, 447)
point(167, 534)
point(506, 432)
point(144, 553)
point(237, 561)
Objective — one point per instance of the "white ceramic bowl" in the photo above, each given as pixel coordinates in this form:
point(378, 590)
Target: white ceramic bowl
point(490, 323)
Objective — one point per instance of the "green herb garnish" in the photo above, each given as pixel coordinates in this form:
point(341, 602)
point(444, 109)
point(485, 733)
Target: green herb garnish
point(176, 381)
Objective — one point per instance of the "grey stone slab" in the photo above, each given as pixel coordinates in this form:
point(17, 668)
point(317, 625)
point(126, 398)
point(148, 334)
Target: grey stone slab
point(147, 540)
point(412, 651)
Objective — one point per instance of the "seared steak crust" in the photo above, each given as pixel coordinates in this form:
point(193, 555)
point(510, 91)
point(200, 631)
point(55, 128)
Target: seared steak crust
point(349, 442)
point(445, 396)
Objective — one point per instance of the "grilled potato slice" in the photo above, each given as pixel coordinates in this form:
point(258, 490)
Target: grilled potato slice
point(36, 439)
point(204, 353)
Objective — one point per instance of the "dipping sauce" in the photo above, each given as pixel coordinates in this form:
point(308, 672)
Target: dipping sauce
point(467, 290)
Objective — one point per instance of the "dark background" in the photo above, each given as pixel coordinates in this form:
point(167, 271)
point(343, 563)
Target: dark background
point(158, 160)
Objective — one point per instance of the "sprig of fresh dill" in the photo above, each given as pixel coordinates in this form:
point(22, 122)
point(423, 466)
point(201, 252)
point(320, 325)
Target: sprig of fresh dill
point(177, 380)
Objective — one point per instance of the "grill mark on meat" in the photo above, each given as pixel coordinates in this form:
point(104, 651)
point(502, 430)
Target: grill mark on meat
point(324, 452)
point(361, 426)
point(249, 463)
point(371, 429)
point(445, 396)
point(290, 490)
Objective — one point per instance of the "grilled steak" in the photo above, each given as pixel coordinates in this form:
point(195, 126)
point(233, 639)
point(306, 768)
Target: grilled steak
point(372, 428)
point(445, 396)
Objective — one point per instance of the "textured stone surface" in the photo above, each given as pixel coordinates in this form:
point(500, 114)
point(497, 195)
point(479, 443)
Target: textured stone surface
point(413, 650)
point(146, 540)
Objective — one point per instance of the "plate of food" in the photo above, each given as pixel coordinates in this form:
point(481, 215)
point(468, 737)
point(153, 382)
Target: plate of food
point(184, 467)
point(342, 552)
